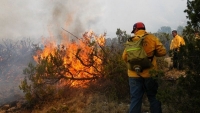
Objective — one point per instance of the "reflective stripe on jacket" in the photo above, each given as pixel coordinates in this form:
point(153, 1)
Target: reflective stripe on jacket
point(152, 46)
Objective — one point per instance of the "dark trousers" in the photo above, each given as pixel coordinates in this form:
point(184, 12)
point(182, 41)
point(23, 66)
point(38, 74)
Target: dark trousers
point(137, 88)
point(177, 60)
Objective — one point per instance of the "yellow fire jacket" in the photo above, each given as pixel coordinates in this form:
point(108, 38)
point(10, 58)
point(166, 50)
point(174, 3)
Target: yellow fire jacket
point(177, 42)
point(152, 46)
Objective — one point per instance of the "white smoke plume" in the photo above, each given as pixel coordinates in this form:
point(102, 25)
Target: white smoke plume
point(35, 18)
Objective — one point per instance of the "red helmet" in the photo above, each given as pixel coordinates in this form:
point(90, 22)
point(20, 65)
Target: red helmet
point(138, 25)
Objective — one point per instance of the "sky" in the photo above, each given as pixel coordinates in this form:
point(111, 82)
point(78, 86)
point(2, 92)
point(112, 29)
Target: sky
point(42, 18)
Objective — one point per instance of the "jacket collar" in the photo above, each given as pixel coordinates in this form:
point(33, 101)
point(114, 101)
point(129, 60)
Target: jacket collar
point(176, 36)
point(140, 33)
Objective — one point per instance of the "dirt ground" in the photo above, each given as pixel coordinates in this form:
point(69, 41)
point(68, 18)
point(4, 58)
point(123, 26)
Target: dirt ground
point(174, 73)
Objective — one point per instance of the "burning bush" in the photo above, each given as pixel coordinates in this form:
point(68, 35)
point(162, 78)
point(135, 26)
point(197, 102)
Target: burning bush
point(73, 64)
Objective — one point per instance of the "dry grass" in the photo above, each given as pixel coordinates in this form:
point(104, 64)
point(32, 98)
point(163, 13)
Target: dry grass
point(81, 102)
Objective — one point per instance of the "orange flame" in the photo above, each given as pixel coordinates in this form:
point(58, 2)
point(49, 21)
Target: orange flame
point(78, 54)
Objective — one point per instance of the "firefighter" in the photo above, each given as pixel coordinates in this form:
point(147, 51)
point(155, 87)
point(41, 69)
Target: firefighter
point(175, 45)
point(145, 83)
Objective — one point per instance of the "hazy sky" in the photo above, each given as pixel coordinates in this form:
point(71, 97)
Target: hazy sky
point(40, 18)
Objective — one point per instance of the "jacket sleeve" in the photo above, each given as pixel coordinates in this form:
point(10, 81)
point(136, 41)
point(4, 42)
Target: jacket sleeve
point(160, 50)
point(182, 41)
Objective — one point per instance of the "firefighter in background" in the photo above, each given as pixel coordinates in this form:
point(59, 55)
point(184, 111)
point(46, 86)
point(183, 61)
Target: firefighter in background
point(175, 45)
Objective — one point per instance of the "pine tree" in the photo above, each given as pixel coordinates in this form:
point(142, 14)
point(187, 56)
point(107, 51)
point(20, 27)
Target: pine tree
point(182, 95)
point(193, 14)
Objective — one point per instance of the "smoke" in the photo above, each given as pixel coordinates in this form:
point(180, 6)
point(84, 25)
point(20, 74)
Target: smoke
point(36, 18)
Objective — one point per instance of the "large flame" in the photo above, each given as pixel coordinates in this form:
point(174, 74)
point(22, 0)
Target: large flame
point(83, 55)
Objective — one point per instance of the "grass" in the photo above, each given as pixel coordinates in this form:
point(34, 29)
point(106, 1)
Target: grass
point(82, 102)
